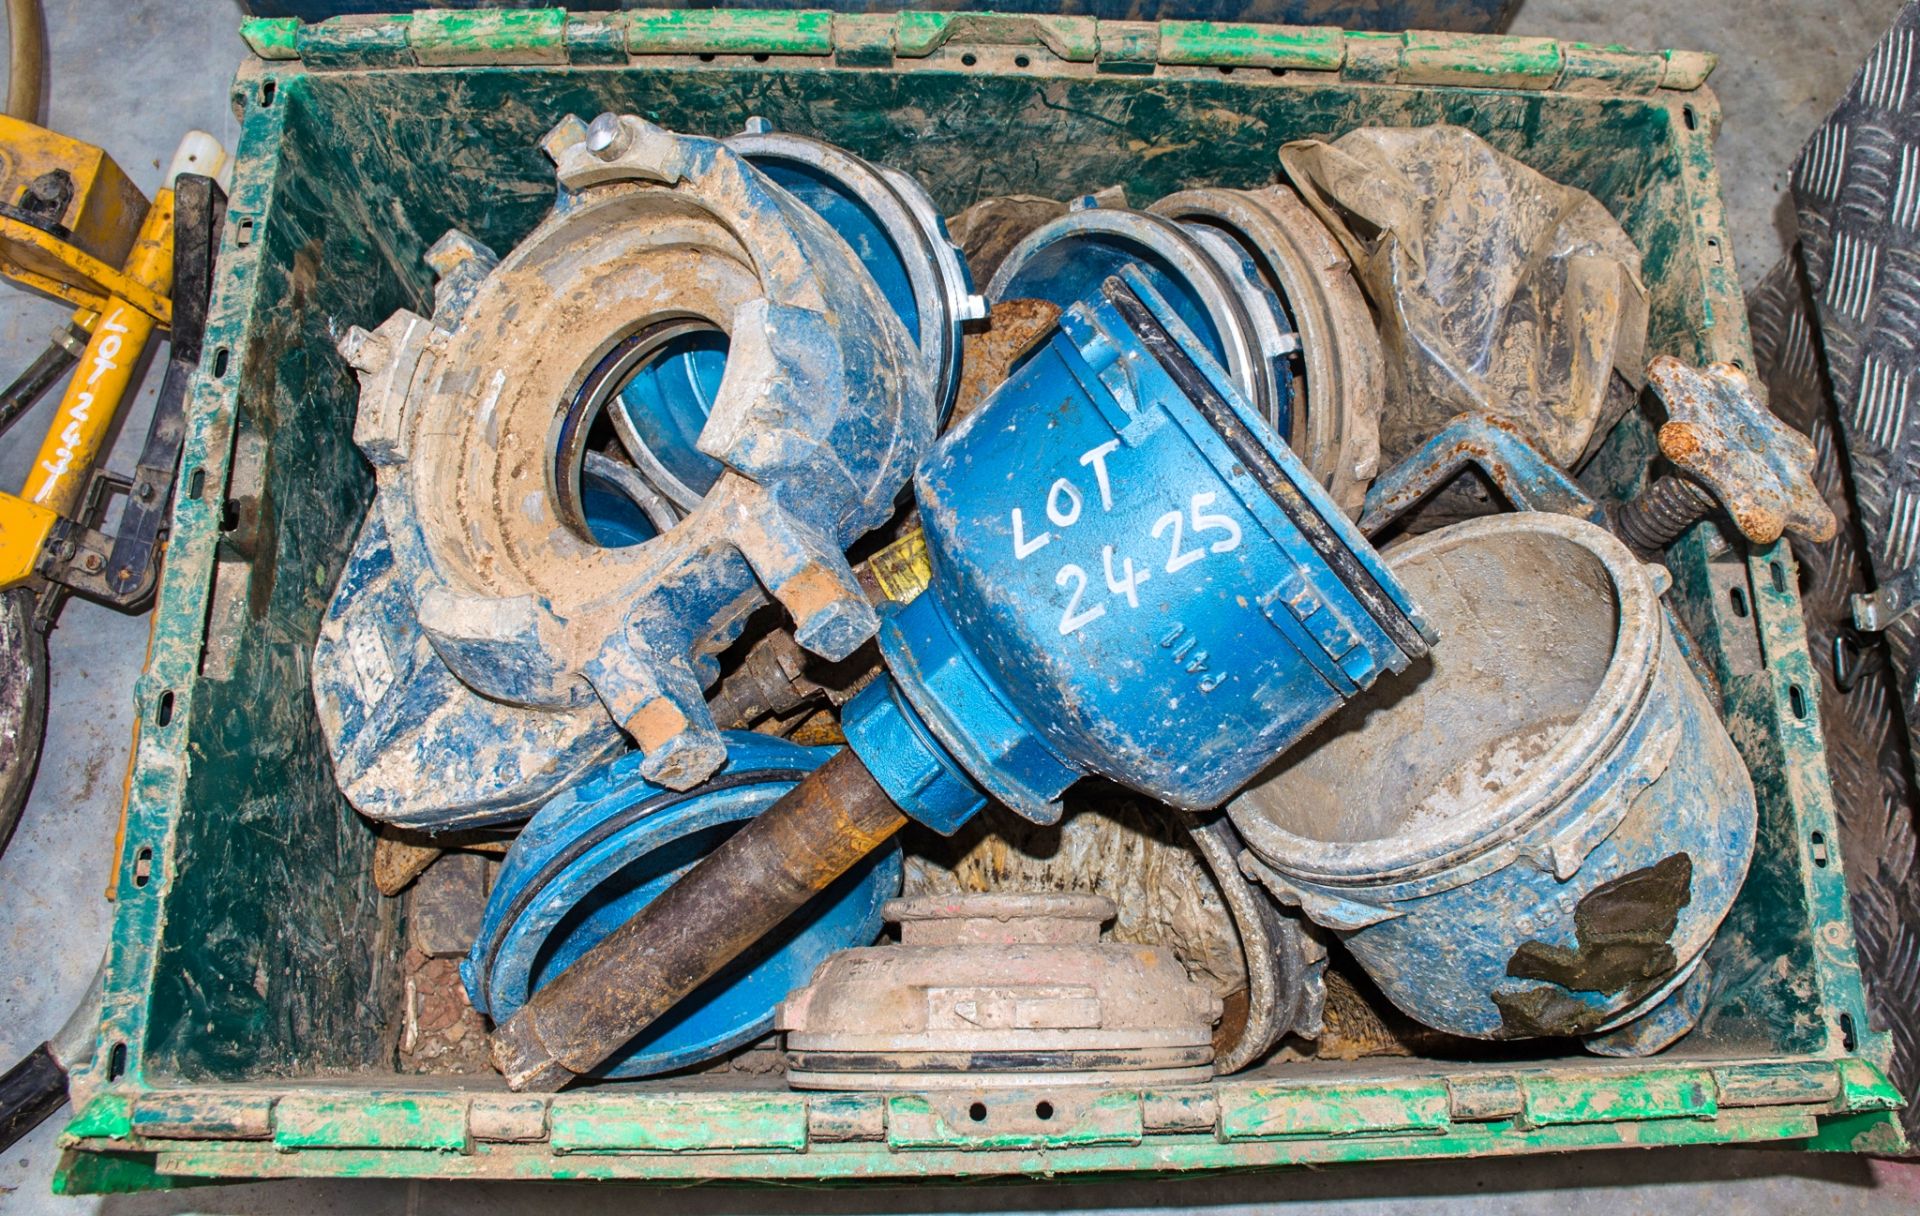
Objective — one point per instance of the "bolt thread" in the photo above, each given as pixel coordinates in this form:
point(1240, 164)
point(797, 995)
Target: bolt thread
point(1669, 507)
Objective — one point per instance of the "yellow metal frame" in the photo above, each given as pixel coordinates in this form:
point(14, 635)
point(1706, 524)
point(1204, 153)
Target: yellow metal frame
point(88, 283)
point(120, 309)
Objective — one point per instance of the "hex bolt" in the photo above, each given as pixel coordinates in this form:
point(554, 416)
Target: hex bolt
point(364, 350)
point(565, 134)
point(608, 137)
point(456, 249)
point(1729, 451)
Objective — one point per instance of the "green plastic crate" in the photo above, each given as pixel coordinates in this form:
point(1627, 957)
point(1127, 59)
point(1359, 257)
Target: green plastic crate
point(252, 988)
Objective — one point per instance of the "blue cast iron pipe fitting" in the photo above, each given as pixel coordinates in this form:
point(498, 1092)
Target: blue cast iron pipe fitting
point(1132, 577)
point(774, 336)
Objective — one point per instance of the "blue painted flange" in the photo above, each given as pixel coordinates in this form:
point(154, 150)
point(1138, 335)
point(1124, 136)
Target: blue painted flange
point(894, 231)
point(1211, 284)
point(604, 849)
point(1130, 576)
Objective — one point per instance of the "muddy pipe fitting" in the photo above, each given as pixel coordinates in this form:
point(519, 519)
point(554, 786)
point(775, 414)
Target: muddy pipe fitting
point(1334, 365)
point(1263, 284)
point(726, 902)
point(609, 846)
point(996, 990)
point(484, 628)
point(1541, 833)
point(1131, 576)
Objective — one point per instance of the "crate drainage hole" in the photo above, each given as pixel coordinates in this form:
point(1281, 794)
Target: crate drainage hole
point(1043, 1111)
point(220, 358)
point(243, 233)
point(1739, 598)
point(1021, 61)
point(1819, 842)
point(1690, 118)
point(267, 90)
point(143, 866)
point(196, 482)
point(163, 711)
point(1798, 700)
point(117, 1060)
point(969, 59)
point(1847, 1040)
point(1779, 577)
point(977, 1112)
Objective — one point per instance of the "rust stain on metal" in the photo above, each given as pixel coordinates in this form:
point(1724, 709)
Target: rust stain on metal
point(397, 862)
point(1679, 441)
point(729, 900)
point(1722, 436)
point(1014, 327)
point(818, 729)
point(656, 722)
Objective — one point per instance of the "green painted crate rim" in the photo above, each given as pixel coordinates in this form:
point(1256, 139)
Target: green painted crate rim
point(516, 36)
point(115, 1139)
point(665, 1122)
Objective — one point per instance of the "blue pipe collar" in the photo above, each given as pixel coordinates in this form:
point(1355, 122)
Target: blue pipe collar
point(598, 853)
point(1131, 576)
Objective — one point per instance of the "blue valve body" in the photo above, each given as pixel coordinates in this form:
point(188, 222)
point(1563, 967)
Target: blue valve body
point(1131, 577)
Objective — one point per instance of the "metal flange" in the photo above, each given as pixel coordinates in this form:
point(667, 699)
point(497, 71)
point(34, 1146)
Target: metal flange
point(1336, 369)
point(892, 226)
point(1067, 260)
point(823, 409)
point(997, 990)
point(609, 845)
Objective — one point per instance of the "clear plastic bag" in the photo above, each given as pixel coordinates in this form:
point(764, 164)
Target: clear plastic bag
point(1497, 290)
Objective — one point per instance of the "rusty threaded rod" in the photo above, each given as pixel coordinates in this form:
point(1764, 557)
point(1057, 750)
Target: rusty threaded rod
point(729, 900)
point(1659, 514)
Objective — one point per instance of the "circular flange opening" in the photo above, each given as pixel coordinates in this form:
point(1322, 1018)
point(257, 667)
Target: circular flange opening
point(1551, 632)
point(627, 463)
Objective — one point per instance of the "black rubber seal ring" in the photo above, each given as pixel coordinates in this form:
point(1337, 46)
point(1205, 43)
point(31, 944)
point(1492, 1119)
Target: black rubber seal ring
point(1265, 470)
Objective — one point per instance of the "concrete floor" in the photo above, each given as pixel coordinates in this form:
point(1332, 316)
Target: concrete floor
point(132, 74)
